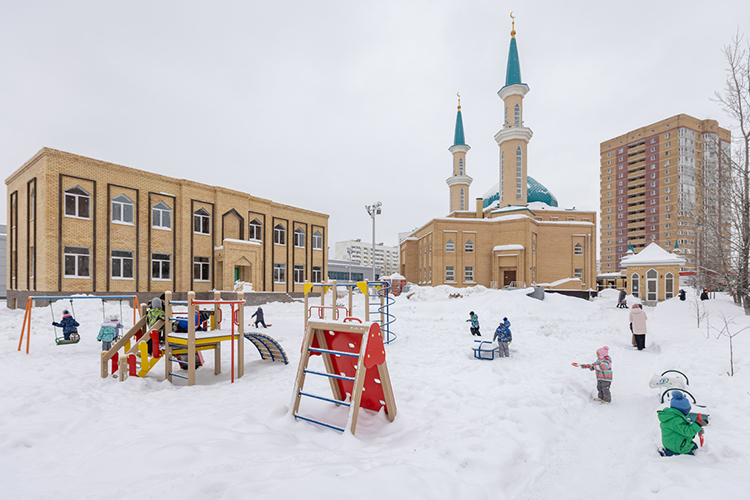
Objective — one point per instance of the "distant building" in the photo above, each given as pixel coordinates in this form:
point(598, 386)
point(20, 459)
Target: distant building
point(386, 258)
point(80, 225)
point(340, 270)
point(657, 181)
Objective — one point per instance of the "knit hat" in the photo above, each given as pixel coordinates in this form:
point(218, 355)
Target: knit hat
point(505, 319)
point(680, 402)
point(65, 312)
point(471, 313)
point(156, 303)
point(603, 351)
point(114, 317)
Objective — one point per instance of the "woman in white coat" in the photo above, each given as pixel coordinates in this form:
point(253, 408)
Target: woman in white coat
point(638, 323)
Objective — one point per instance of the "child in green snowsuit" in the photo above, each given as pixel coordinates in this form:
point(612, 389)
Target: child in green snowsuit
point(109, 331)
point(677, 431)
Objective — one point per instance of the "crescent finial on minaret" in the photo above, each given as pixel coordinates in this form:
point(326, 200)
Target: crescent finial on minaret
point(459, 101)
point(513, 29)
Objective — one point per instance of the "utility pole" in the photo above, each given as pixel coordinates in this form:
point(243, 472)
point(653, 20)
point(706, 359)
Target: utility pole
point(373, 210)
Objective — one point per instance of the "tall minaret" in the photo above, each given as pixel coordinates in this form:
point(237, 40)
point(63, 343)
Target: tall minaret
point(459, 182)
point(514, 138)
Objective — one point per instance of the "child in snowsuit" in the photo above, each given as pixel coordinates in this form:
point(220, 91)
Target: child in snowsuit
point(68, 324)
point(504, 337)
point(603, 368)
point(474, 323)
point(677, 431)
point(622, 303)
point(258, 315)
point(109, 331)
point(153, 315)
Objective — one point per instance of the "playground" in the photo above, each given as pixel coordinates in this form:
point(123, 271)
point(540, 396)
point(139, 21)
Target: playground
point(516, 428)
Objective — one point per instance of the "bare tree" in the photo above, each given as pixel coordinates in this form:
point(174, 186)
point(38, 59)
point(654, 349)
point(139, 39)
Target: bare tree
point(735, 100)
point(726, 331)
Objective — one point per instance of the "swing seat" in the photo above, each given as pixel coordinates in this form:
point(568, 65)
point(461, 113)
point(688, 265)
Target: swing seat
point(75, 338)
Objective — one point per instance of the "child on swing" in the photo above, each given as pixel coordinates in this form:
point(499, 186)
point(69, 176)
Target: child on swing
point(68, 325)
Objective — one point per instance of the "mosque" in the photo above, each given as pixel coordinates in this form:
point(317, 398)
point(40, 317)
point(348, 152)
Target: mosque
point(515, 235)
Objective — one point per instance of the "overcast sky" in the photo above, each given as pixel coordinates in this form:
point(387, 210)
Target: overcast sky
point(332, 105)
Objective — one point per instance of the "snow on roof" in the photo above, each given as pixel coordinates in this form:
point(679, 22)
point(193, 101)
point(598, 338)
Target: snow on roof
point(652, 255)
point(502, 248)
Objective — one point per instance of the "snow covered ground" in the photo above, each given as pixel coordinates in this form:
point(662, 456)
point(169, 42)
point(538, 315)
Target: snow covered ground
point(519, 428)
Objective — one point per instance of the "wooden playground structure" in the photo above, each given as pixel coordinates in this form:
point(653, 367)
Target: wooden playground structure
point(353, 357)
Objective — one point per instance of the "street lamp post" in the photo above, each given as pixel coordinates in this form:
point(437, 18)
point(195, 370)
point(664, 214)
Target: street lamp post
point(349, 250)
point(373, 210)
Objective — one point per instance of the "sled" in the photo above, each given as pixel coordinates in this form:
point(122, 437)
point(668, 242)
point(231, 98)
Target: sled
point(484, 349)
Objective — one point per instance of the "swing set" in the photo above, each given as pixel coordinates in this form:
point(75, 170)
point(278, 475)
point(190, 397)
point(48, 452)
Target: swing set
point(59, 339)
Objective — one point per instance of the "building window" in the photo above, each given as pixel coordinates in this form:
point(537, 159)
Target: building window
point(161, 216)
point(299, 238)
point(519, 172)
point(578, 273)
point(502, 175)
point(317, 241)
point(279, 273)
point(279, 235)
point(668, 285)
point(76, 262)
point(469, 247)
point(77, 203)
point(469, 274)
point(450, 275)
point(460, 166)
point(32, 205)
point(506, 116)
point(201, 268)
point(651, 285)
point(635, 283)
point(317, 274)
point(299, 273)
point(450, 246)
point(517, 115)
point(578, 249)
point(202, 222)
point(255, 230)
point(463, 200)
point(161, 266)
point(122, 209)
point(122, 264)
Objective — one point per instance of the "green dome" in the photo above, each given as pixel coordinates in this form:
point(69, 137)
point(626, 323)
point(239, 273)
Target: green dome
point(535, 191)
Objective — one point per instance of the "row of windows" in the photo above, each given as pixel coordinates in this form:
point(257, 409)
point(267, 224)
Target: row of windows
point(450, 274)
point(451, 247)
point(78, 203)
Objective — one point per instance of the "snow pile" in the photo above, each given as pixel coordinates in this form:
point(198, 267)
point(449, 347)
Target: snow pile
point(517, 428)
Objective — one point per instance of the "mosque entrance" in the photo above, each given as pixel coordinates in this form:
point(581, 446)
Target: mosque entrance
point(509, 277)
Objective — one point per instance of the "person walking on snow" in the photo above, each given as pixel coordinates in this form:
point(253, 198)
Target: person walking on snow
point(474, 323)
point(504, 337)
point(677, 431)
point(603, 368)
point(638, 319)
point(621, 302)
point(109, 331)
point(258, 315)
point(68, 324)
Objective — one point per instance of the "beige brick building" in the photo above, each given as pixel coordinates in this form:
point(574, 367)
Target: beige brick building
point(656, 181)
point(515, 233)
point(79, 225)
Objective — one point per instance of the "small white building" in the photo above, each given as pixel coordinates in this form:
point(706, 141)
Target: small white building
point(653, 274)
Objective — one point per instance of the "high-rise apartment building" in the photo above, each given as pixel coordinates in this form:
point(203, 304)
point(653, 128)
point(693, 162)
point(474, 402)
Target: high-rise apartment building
point(657, 183)
point(385, 257)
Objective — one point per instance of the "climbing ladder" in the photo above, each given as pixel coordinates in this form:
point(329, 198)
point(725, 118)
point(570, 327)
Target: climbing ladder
point(355, 366)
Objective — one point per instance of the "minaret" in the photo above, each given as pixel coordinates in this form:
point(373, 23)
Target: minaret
point(459, 182)
point(513, 138)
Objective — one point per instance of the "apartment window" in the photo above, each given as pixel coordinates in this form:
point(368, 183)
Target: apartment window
point(653, 210)
point(202, 222)
point(653, 202)
point(255, 230)
point(317, 274)
point(161, 216)
point(653, 228)
point(653, 158)
point(653, 176)
point(653, 193)
point(161, 266)
point(299, 273)
point(469, 247)
point(578, 273)
point(122, 264)
point(519, 172)
point(653, 148)
point(667, 198)
point(578, 249)
point(122, 209)
point(201, 268)
point(77, 203)
point(279, 235)
point(619, 151)
point(317, 241)
point(667, 225)
point(450, 274)
point(469, 274)
point(299, 238)
point(653, 184)
point(517, 115)
point(76, 262)
point(450, 246)
point(666, 136)
point(653, 140)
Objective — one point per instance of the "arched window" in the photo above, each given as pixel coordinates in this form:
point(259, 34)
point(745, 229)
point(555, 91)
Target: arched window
point(255, 230)
point(505, 122)
point(651, 285)
point(460, 166)
point(279, 235)
point(122, 209)
point(463, 200)
point(299, 238)
point(317, 241)
point(517, 115)
point(519, 173)
point(161, 216)
point(668, 286)
point(469, 246)
point(502, 172)
point(450, 246)
point(77, 203)
point(202, 221)
point(578, 249)
point(635, 284)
